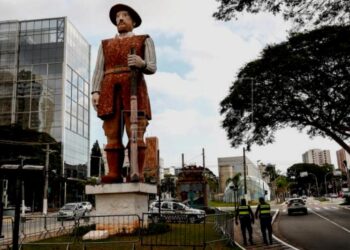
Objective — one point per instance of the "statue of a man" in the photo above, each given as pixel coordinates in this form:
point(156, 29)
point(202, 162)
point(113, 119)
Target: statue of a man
point(111, 89)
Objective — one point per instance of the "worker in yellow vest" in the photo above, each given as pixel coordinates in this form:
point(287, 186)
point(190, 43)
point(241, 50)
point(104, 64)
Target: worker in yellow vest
point(246, 219)
point(263, 212)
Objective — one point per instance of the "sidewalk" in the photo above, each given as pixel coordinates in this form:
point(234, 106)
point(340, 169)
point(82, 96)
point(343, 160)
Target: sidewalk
point(257, 239)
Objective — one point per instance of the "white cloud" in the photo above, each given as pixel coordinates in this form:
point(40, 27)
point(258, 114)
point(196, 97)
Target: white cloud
point(213, 50)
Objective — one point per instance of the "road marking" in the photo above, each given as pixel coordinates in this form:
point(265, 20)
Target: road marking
point(327, 208)
point(317, 208)
point(336, 224)
point(335, 208)
point(278, 239)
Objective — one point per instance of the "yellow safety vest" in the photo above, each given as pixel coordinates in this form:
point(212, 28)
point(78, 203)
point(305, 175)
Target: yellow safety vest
point(265, 209)
point(243, 211)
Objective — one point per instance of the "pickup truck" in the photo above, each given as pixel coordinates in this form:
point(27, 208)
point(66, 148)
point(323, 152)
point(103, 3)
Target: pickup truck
point(172, 211)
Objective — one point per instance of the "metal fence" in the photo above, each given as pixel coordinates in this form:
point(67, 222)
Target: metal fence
point(49, 232)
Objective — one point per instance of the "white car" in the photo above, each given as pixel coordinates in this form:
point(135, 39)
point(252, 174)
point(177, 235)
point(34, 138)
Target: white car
point(172, 211)
point(71, 211)
point(87, 205)
point(296, 205)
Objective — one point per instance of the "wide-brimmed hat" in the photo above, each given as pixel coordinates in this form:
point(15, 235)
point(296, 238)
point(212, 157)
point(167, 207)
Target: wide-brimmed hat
point(118, 7)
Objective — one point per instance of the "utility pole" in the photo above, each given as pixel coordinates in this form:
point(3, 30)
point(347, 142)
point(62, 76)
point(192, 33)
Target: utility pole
point(183, 160)
point(203, 154)
point(46, 185)
point(244, 173)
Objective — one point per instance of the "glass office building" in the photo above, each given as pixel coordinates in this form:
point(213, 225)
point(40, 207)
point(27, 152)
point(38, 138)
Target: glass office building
point(44, 85)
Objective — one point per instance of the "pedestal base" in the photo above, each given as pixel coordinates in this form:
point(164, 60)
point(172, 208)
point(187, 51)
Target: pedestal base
point(121, 199)
point(120, 206)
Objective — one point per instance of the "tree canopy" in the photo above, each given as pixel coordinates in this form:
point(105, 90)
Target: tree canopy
point(301, 83)
point(303, 13)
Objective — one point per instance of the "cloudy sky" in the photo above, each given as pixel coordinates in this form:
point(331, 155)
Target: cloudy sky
point(198, 58)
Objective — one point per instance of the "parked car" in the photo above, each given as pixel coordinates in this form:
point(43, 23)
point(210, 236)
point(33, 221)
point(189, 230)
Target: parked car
point(296, 205)
point(172, 211)
point(71, 211)
point(87, 205)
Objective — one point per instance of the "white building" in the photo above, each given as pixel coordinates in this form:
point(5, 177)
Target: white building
point(317, 156)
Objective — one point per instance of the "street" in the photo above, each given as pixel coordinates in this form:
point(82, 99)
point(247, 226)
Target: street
point(327, 226)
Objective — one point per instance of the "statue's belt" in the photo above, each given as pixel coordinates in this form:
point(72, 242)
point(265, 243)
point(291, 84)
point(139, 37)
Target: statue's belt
point(117, 70)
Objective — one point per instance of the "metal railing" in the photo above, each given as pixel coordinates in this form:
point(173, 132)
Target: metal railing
point(47, 232)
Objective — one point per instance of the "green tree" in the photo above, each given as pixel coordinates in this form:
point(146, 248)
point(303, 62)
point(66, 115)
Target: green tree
point(303, 183)
point(236, 180)
point(282, 187)
point(96, 162)
point(303, 13)
point(270, 170)
point(302, 83)
point(212, 180)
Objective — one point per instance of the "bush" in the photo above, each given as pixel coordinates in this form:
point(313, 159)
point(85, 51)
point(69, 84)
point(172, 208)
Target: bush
point(80, 231)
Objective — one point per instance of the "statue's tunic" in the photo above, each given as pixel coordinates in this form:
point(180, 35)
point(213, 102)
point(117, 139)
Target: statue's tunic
point(117, 77)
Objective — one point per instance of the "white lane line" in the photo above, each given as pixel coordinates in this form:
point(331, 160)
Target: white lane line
point(278, 239)
point(336, 208)
point(327, 208)
point(284, 243)
point(336, 224)
point(317, 208)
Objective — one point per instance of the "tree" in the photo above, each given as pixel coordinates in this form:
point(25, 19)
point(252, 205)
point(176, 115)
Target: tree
point(303, 13)
point(270, 170)
point(282, 186)
point(236, 180)
point(303, 183)
point(168, 185)
point(96, 161)
point(302, 83)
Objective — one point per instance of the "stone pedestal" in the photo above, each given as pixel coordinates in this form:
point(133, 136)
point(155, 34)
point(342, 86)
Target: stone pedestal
point(121, 199)
point(120, 206)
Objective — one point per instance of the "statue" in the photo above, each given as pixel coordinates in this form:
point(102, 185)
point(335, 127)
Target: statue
point(119, 92)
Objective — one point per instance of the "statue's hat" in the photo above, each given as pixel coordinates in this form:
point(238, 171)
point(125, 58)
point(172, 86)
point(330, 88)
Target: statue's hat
point(118, 7)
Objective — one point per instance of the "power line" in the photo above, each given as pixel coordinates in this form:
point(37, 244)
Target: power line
point(25, 143)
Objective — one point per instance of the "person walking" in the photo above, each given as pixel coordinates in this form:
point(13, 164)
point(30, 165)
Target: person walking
point(263, 212)
point(246, 219)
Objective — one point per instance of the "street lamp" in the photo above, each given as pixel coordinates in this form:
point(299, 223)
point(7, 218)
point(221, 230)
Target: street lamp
point(347, 172)
point(303, 174)
point(335, 173)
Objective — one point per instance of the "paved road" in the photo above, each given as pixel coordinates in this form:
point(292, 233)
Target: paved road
point(327, 226)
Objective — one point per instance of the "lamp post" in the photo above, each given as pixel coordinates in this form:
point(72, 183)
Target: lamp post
point(303, 174)
point(325, 183)
point(46, 185)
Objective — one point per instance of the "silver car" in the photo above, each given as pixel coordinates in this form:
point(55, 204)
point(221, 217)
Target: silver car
point(71, 211)
point(296, 205)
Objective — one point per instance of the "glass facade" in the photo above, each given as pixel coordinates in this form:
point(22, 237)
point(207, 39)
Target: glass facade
point(44, 83)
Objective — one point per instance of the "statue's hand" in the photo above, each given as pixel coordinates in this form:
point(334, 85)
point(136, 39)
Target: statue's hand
point(95, 99)
point(136, 61)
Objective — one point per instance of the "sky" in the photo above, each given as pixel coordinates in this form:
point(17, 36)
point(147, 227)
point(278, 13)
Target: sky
point(198, 58)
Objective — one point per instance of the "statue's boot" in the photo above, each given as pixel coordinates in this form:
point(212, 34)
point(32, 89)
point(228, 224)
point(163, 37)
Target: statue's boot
point(115, 159)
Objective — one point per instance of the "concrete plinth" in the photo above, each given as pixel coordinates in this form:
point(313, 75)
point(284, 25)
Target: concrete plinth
point(121, 199)
point(123, 204)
